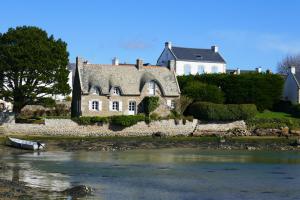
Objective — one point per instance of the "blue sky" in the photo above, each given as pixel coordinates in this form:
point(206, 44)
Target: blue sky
point(249, 33)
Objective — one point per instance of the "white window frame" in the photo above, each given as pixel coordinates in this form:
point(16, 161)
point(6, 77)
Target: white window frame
point(115, 106)
point(95, 105)
point(171, 104)
point(151, 88)
point(116, 91)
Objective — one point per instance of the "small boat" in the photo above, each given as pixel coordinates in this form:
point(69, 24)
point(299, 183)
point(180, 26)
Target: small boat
point(25, 144)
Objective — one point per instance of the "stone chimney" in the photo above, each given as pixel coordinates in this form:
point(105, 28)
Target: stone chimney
point(115, 61)
point(258, 69)
point(215, 49)
point(168, 45)
point(293, 69)
point(139, 64)
point(171, 65)
point(238, 71)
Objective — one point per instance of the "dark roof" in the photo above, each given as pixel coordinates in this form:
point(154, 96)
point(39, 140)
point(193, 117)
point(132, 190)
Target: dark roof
point(192, 54)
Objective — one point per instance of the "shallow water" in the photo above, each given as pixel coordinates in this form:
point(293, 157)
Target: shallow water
point(163, 173)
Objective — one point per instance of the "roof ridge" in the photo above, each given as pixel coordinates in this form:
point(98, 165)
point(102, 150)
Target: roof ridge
point(192, 48)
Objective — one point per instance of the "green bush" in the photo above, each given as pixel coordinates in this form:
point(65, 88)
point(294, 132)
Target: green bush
point(295, 111)
point(150, 104)
point(261, 89)
point(154, 116)
point(222, 112)
point(47, 102)
point(127, 120)
point(203, 92)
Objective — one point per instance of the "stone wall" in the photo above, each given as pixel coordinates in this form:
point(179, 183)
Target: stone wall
point(219, 128)
point(67, 127)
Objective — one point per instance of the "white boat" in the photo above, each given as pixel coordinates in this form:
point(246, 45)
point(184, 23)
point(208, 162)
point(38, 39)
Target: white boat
point(25, 144)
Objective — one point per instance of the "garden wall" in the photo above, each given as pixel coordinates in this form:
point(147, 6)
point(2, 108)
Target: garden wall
point(67, 127)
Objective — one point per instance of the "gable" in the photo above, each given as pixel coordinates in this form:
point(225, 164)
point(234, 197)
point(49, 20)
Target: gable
point(165, 56)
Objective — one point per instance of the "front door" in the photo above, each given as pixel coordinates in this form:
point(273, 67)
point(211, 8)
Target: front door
point(131, 108)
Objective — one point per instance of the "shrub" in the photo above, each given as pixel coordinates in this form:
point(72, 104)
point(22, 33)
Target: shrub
point(283, 106)
point(82, 120)
point(222, 112)
point(127, 120)
point(182, 103)
point(47, 102)
point(154, 116)
point(203, 92)
point(263, 90)
point(62, 110)
point(150, 104)
point(295, 111)
point(98, 119)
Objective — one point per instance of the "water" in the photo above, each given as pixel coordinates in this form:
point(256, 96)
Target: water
point(164, 173)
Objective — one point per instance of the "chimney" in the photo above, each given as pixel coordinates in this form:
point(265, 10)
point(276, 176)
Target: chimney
point(115, 61)
point(258, 69)
point(168, 45)
point(139, 64)
point(293, 69)
point(215, 49)
point(171, 65)
point(238, 71)
point(269, 71)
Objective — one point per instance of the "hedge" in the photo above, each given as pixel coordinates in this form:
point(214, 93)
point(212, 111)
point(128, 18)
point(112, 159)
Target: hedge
point(203, 92)
point(122, 120)
point(127, 120)
point(263, 90)
point(222, 112)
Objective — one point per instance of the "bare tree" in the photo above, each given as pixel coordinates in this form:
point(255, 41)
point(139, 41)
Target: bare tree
point(288, 61)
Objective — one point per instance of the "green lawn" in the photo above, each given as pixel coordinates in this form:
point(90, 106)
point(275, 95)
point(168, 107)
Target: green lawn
point(273, 115)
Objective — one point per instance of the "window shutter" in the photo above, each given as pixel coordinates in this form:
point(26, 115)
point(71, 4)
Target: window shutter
point(110, 105)
point(169, 102)
point(100, 105)
point(90, 105)
point(120, 105)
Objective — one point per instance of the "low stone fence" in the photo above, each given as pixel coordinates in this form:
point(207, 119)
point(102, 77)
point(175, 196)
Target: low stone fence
point(67, 127)
point(221, 128)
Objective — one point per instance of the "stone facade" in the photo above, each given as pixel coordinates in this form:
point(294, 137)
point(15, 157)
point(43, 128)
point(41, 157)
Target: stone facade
point(97, 86)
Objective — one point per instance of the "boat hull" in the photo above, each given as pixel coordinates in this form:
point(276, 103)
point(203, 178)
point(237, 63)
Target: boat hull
point(24, 144)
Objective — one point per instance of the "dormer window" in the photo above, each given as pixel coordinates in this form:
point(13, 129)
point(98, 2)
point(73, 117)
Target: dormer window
point(116, 91)
point(151, 88)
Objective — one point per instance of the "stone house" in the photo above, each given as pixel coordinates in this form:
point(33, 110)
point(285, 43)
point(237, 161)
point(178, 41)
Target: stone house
point(291, 90)
point(191, 60)
point(119, 89)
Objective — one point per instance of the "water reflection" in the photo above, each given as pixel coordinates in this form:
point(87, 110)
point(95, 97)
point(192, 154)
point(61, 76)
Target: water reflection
point(162, 174)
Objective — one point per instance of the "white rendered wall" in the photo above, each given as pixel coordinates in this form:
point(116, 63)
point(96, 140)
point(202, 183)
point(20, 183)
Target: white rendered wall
point(194, 67)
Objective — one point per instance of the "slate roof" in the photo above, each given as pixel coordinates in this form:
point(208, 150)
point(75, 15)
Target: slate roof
point(192, 54)
point(128, 78)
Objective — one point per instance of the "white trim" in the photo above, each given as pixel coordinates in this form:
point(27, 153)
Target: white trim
point(91, 105)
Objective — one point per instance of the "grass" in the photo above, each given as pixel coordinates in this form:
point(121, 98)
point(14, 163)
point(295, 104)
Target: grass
point(273, 115)
point(273, 120)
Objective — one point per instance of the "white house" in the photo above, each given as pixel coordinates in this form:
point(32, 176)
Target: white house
point(291, 90)
point(192, 61)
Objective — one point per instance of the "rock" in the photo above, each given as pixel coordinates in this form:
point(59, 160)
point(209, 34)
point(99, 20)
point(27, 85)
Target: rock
point(158, 134)
point(295, 132)
point(267, 132)
point(285, 131)
point(250, 148)
point(78, 191)
point(296, 142)
point(238, 132)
